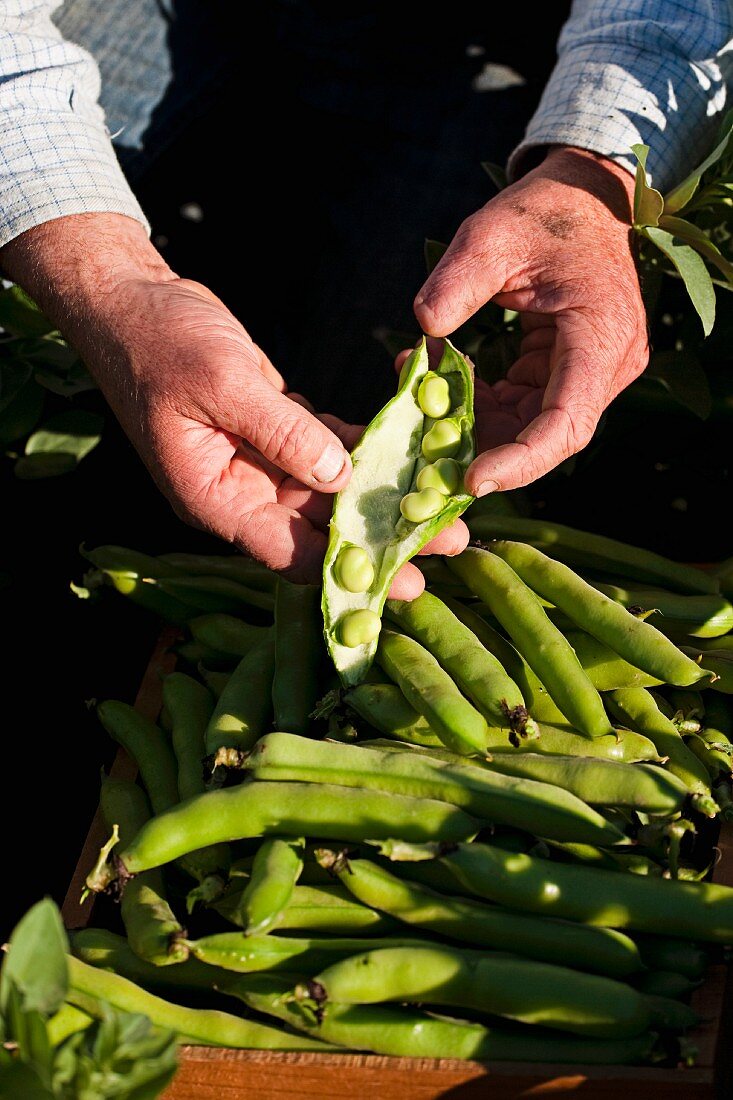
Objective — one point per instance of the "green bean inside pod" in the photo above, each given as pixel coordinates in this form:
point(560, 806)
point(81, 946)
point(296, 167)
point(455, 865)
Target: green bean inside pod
point(405, 488)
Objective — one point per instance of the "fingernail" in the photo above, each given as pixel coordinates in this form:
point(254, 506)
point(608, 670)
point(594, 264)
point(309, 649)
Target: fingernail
point(329, 465)
point(487, 487)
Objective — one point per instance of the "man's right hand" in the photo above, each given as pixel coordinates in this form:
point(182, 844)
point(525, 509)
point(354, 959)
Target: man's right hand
point(203, 405)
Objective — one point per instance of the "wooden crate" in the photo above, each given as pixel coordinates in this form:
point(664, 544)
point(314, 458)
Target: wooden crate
point(208, 1073)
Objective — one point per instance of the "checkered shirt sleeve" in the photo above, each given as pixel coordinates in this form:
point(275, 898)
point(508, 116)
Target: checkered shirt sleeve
point(56, 157)
point(628, 71)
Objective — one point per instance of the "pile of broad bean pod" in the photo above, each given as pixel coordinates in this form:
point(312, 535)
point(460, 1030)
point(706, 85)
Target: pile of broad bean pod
point(494, 846)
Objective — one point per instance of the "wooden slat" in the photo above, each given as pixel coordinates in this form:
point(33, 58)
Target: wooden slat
point(208, 1073)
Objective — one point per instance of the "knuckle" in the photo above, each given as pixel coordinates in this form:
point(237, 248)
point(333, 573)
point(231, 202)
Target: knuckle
point(288, 439)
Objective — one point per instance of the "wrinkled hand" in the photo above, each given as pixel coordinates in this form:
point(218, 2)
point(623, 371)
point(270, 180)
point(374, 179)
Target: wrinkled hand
point(555, 246)
point(204, 406)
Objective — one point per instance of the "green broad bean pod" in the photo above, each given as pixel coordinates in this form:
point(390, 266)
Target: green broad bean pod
point(701, 616)
point(298, 646)
point(69, 1020)
point(226, 634)
point(215, 679)
point(534, 693)
point(489, 796)
point(586, 550)
point(673, 953)
point(275, 870)
point(382, 519)
point(524, 990)
point(636, 708)
point(476, 671)
point(386, 708)
point(214, 594)
point(432, 692)
point(318, 909)
point(636, 641)
point(140, 592)
point(700, 910)
point(665, 983)
point(252, 574)
point(719, 662)
point(599, 782)
point(599, 950)
point(606, 670)
point(154, 932)
point(91, 989)
point(121, 558)
point(292, 954)
point(148, 746)
point(190, 705)
point(244, 708)
point(401, 1031)
point(285, 809)
point(545, 649)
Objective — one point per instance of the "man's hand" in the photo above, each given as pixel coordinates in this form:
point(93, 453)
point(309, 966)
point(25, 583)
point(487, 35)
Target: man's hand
point(556, 247)
point(203, 405)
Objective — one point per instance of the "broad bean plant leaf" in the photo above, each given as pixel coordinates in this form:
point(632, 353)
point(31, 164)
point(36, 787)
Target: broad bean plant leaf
point(693, 235)
point(648, 202)
point(13, 376)
point(35, 965)
point(691, 269)
point(19, 314)
point(682, 376)
point(60, 444)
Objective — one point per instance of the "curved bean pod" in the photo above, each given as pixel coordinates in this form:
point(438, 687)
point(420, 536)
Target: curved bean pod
point(226, 634)
point(600, 950)
point(476, 671)
point(606, 670)
point(386, 708)
point(584, 549)
point(545, 649)
point(636, 708)
point(281, 809)
point(250, 573)
point(701, 616)
point(599, 782)
point(248, 955)
point(244, 707)
point(701, 910)
point(154, 932)
point(504, 985)
point(431, 691)
point(385, 1029)
point(214, 594)
point(90, 988)
point(148, 746)
point(298, 648)
point(317, 909)
point(275, 870)
point(636, 641)
point(537, 807)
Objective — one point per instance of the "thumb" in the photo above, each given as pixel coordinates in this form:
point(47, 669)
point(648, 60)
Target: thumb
point(473, 270)
point(288, 435)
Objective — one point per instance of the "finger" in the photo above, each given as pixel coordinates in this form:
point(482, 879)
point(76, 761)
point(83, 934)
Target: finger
point(531, 369)
point(407, 584)
point(451, 541)
point(349, 434)
point(546, 442)
point(401, 358)
point(317, 507)
point(538, 339)
point(284, 432)
point(284, 540)
point(302, 401)
point(474, 268)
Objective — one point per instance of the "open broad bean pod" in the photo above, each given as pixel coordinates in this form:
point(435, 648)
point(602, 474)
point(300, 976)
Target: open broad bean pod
point(406, 486)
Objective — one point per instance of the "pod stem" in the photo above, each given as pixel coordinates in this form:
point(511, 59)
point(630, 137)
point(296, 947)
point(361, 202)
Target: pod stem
point(103, 874)
point(336, 863)
point(521, 725)
point(208, 890)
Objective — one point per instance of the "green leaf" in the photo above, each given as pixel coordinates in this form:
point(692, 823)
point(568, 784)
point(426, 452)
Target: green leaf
point(496, 174)
point(680, 195)
point(13, 376)
point(434, 252)
point(22, 413)
point(36, 961)
point(60, 444)
point(692, 271)
point(682, 376)
point(694, 236)
point(20, 1082)
point(20, 315)
point(648, 203)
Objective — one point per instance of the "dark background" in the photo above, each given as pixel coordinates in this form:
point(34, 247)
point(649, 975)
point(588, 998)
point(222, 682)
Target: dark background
point(368, 124)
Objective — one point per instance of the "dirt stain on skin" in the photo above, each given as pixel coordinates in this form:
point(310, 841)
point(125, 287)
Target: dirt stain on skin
point(558, 225)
